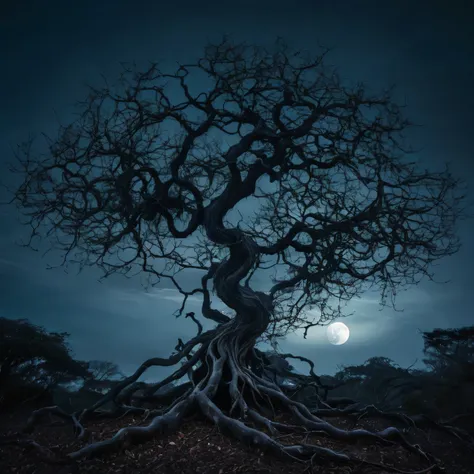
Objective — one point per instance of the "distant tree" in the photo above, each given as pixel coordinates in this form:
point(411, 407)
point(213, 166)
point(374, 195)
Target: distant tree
point(380, 368)
point(103, 375)
point(450, 352)
point(31, 355)
point(103, 370)
point(377, 381)
point(337, 206)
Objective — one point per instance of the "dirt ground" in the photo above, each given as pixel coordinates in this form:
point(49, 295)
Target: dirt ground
point(200, 448)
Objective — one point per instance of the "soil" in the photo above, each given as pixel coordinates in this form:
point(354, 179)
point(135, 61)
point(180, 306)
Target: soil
point(199, 448)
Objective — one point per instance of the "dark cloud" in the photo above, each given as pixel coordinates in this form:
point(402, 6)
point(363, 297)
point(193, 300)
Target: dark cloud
point(48, 50)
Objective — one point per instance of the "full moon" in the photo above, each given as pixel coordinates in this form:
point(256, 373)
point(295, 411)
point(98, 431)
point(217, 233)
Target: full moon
point(338, 333)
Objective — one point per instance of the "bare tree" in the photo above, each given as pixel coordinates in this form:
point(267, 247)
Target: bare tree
point(103, 375)
point(154, 173)
point(103, 370)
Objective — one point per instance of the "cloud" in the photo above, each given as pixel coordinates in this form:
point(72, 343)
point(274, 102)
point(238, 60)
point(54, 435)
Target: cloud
point(117, 319)
point(5, 262)
point(172, 295)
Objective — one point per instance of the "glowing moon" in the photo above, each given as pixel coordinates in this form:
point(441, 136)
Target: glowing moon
point(338, 333)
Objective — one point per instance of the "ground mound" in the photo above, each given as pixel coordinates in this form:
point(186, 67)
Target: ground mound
point(199, 448)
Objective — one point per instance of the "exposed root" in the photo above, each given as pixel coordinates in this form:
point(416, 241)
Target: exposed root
point(113, 394)
point(137, 434)
point(252, 398)
point(255, 437)
point(417, 421)
point(37, 415)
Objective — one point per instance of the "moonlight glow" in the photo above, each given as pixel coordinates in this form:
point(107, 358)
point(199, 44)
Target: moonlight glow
point(338, 333)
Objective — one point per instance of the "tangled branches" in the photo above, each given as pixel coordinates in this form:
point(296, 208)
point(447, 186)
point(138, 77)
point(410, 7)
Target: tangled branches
point(149, 178)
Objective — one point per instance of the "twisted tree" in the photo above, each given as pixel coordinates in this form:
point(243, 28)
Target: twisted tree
point(153, 176)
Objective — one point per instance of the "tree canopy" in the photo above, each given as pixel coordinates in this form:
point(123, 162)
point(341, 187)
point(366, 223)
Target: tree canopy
point(450, 352)
point(103, 375)
point(32, 355)
point(247, 159)
point(337, 203)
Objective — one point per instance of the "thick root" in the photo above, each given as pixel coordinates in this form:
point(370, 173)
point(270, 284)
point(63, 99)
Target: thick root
point(252, 400)
point(125, 437)
point(37, 415)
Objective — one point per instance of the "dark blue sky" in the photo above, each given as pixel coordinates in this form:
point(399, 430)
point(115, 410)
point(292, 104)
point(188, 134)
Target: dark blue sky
point(50, 49)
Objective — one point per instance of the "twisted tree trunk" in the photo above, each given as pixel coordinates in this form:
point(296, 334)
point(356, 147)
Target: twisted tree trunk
point(226, 372)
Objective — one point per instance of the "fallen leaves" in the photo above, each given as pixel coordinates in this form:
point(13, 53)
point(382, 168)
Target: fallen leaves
point(199, 448)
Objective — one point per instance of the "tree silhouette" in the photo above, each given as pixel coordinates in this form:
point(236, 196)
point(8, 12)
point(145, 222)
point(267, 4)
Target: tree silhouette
point(379, 380)
point(103, 375)
point(450, 351)
point(153, 174)
point(34, 359)
point(450, 356)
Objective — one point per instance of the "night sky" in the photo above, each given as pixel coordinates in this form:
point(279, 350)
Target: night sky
point(50, 49)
